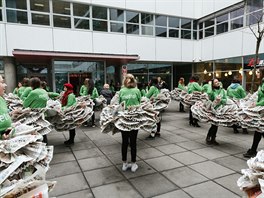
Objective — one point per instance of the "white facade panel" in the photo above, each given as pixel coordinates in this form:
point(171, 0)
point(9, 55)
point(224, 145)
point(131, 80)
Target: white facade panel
point(28, 38)
point(223, 4)
point(188, 8)
point(109, 43)
point(198, 8)
point(228, 45)
point(116, 3)
point(187, 51)
point(146, 5)
point(208, 7)
point(73, 41)
point(168, 49)
point(3, 50)
point(249, 43)
point(142, 46)
point(82, 1)
point(170, 7)
point(207, 49)
point(197, 51)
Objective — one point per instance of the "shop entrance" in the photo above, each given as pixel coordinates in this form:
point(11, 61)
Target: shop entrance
point(77, 79)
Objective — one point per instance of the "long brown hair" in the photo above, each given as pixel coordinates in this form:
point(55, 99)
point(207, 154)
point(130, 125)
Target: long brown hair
point(130, 81)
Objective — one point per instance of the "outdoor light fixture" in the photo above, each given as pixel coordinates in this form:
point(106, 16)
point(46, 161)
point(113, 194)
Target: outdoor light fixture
point(209, 74)
point(240, 70)
point(226, 74)
point(217, 75)
point(250, 72)
point(230, 73)
point(205, 71)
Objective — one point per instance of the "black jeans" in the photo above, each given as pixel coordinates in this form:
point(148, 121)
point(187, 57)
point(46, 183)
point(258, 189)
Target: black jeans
point(129, 137)
point(71, 135)
point(212, 131)
point(93, 116)
point(181, 107)
point(256, 140)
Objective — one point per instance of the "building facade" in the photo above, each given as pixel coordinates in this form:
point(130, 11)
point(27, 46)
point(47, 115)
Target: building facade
point(60, 41)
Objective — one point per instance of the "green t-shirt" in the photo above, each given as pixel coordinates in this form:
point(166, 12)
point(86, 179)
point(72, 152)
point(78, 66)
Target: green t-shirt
point(180, 86)
point(207, 88)
point(216, 92)
point(260, 101)
point(194, 86)
point(37, 98)
point(94, 94)
point(131, 96)
point(70, 101)
point(153, 91)
point(5, 120)
point(25, 93)
point(83, 90)
point(235, 90)
point(20, 91)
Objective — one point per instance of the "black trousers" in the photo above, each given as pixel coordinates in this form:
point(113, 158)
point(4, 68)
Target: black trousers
point(129, 137)
point(72, 134)
point(93, 116)
point(181, 107)
point(212, 131)
point(192, 121)
point(256, 140)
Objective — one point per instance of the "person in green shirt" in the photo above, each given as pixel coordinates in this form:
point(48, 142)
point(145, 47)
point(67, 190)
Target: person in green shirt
point(84, 87)
point(236, 91)
point(153, 92)
point(92, 91)
point(68, 99)
point(5, 120)
point(131, 96)
point(258, 134)
point(37, 98)
point(181, 86)
point(193, 86)
point(207, 86)
point(25, 84)
point(19, 84)
point(218, 96)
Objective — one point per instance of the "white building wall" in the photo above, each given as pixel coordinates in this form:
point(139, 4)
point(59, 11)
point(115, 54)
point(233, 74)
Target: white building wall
point(3, 49)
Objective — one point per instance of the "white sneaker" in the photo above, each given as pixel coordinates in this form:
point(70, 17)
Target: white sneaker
point(126, 166)
point(134, 167)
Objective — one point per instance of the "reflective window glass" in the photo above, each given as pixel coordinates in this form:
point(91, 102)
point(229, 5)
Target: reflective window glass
point(147, 30)
point(0, 3)
point(117, 27)
point(14, 16)
point(132, 29)
point(81, 23)
point(146, 18)
point(39, 5)
point(81, 10)
point(222, 18)
point(200, 26)
point(254, 17)
point(221, 28)
point(174, 22)
point(132, 17)
point(100, 25)
point(195, 25)
point(253, 5)
point(237, 13)
point(174, 33)
point(61, 21)
point(186, 23)
point(209, 23)
point(161, 32)
point(1, 67)
point(99, 12)
point(161, 20)
point(194, 35)
point(18, 4)
point(200, 34)
point(186, 34)
point(237, 23)
point(61, 7)
point(209, 32)
point(1, 19)
point(40, 19)
point(116, 15)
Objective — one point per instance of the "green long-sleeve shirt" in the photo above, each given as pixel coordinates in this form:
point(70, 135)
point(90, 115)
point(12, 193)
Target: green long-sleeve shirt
point(181, 86)
point(70, 101)
point(207, 88)
point(83, 90)
point(25, 93)
point(5, 120)
point(153, 91)
point(131, 96)
point(235, 90)
point(218, 92)
point(94, 94)
point(37, 98)
point(260, 101)
point(194, 86)
point(20, 91)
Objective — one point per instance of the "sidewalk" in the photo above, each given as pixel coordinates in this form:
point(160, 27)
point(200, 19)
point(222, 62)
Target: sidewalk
point(177, 164)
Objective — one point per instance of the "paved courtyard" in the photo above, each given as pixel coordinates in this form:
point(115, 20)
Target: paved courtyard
point(177, 164)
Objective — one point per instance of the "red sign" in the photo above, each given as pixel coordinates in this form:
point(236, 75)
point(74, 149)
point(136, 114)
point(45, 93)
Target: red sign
point(252, 62)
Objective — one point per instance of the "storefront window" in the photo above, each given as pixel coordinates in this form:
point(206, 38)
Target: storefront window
point(204, 70)
point(76, 71)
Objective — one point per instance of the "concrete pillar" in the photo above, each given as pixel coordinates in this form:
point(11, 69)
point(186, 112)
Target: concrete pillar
point(10, 73)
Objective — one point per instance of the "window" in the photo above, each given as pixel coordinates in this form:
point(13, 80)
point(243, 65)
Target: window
point(147, 24)
point(40, 12)
point(209, 32)
point(194, 30)
point(174, 26)
point(236, 18)
point(61, 16)
point(209, 22)
point(116, 20)
point(16, 11)
point(1, 19)
point(99, 18)
point(186, 34)
point(132, 22)
point(81, 14)
point(236, 23)
point(99, 25)
point(39, 5)
point(161, 26)
point(99, 12)
point(254, 17)
point(253, 5)
point(209, 27)
point(222, 24)
point(186, 26)
point(201, 30)
point(40, 19)
point(237, 13)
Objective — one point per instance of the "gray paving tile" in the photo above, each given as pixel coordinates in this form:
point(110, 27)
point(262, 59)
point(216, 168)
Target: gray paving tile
point(143, 169)
point(231, 162)
point(174, 194)
point(176, 139)
point(230, 148)
point(117, 158)
point(94, 163)
point(62, 157)
point(112, 149)
point(151, 185)
point(81, 194)
point(190, 145)
point(209, 189)
point(104, 141)
point(61, 149)
point(141, 144)
point(103, 176)
point(68, 184)
point(87, 153)
point(62, 169)
point(191, 136)
point(149, 153)
point(188, 157)
point(116, 190)
point(163, 163)
point(230, 182)
point(184, 176)
point(82, 145)
point(170, 149)
point(210, 153)
point(157, 141)
point(211, 169)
